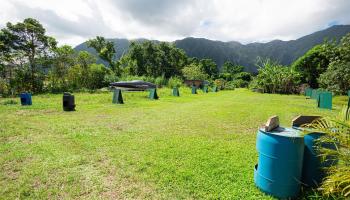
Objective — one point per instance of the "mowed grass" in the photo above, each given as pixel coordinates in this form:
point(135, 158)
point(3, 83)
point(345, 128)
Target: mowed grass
point(189, 147)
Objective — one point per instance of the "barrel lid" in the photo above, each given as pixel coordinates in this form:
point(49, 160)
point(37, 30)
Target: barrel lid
point(285, 132)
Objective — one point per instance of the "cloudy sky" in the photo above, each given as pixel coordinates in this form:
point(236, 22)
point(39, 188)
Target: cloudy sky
point(74, 21)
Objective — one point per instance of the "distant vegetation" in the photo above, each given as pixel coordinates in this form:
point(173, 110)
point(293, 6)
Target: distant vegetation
point(285, 52)
point(31, 61)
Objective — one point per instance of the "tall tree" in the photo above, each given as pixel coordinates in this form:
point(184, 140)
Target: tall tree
point(231, 68)
point(63, 59)
point(315, 62)
point(209, 67)
point(106, 51)
point(337, 76)
point(26, 44)
point(150, 59)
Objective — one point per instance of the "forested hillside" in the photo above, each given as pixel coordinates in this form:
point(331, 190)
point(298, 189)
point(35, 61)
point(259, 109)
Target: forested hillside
point(283, 51)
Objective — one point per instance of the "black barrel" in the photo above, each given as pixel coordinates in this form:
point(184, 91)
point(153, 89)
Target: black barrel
point(68, 102)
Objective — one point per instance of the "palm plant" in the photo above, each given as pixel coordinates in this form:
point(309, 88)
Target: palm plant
point(337, 131)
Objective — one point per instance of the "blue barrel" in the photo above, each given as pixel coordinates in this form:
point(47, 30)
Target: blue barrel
point(26, 99)
point(279, 168)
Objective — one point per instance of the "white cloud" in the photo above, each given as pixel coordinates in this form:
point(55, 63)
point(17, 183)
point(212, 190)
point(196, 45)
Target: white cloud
point(74, 21)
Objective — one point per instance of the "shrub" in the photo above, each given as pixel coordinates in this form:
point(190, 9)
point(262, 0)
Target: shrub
point(96, 75)
point(230, 85)
point(336, 78)
point(4, 89)
point(110, 78)
point(194, 72)
point(220, 83)
point(175, 81)
point(239, 83)
point(160, 81)
point(275, 78)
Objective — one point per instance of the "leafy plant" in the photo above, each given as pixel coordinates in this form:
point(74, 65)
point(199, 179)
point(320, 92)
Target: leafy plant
point(194, 72)
point(175, 81)
point(275, 78)
point(337, 130)
point(336, 78)
point(160, 81)
point(220, 83)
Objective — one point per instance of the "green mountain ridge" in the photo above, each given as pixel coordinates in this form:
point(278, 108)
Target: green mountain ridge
point(246, 55)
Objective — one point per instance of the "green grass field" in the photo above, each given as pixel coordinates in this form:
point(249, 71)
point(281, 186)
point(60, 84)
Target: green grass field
point(189, 147)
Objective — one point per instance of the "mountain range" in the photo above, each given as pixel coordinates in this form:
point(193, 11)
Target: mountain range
point(285, 52)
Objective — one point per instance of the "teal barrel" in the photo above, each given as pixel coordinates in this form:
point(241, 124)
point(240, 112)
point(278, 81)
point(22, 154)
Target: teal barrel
point(215, 89)
point(314, 94)
point(308, 92)
point(325, 100)
point(194, 90)
point(314, 166)
point(176, 92)
point(279, 168)
point(205, 89)
point(153, 94)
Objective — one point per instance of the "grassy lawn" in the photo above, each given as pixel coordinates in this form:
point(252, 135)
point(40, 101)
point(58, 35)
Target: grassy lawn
point(189, 147)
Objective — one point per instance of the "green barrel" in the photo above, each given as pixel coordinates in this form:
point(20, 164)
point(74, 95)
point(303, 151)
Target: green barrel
point(117, 97)
point(176, 92)
point(205, 89)
point(308, 92)
point(194, 90)
point(314, 94)
point(325, 100)
point(153, 94)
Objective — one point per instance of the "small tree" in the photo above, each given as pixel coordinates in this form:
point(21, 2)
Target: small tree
point(194, 72)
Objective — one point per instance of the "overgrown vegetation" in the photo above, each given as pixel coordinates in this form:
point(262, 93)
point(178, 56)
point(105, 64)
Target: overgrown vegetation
point(337, 133)
point(327, 66)
point(275, 78)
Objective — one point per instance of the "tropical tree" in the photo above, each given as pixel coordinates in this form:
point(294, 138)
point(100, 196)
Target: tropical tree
point(106, 51)
point(336, 77)
point(209, 67)
point(63, 59)
point(26, 46)
point(275, 78)
point(315, 62)
point(155, 60)
point(231, 68)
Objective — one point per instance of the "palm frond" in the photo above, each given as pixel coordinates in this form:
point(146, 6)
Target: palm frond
point(337, 133)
